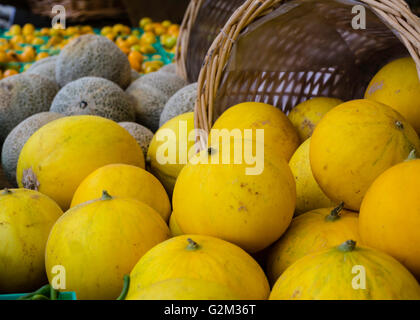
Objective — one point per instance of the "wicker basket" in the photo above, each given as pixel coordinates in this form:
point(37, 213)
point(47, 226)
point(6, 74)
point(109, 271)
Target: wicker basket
point(202, 23)
point(301, 60)
point(80, 10)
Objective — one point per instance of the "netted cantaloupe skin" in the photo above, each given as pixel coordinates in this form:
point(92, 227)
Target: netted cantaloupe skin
point(44, 67)
point(94, 96)
point(17, 139)
point(168, 83)
point(134, 75)
point(150, 94)
point(148, 104)
point(142, 134)
point(21, 96)
point(182, 101)
point(170, 68)
point(93, 55)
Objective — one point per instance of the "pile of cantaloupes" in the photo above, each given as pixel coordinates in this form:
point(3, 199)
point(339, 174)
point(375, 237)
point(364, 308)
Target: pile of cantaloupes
point(112, 181)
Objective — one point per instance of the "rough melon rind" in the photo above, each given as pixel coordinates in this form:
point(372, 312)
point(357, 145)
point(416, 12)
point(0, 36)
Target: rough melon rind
point(21, 96)
point(148, 104)
point(134, 75)
point(182, 101)
point(17, 139)
point(167, 83)
point(150, 94)
point(170, 68)
point(94, 96)
point(44, 67)
point(142, 134)
point(93, 55)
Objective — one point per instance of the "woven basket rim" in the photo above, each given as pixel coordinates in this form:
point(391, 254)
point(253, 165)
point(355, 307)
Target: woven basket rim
point(396, 13)
point(184, 37)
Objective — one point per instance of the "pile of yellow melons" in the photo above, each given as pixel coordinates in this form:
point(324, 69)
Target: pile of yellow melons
point(324, 205)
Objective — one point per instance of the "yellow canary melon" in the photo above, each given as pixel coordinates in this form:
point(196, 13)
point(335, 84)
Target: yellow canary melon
point(346, 272)
point(203, 258)
point(247, 203)
point(124, 181)
point(353, 144)
point(279, 133)
point(174, 227)
point(169, 149)
point(309, 195)
point(397, 84)
point(100, 241)
point(306, 115)
point(185, 289)
point(58, 156)
point(26, 219)
point(310, 232)
point(390, 216)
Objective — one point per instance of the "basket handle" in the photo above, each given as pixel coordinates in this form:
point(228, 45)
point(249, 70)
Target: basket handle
point(399, 16)
point(184, 37)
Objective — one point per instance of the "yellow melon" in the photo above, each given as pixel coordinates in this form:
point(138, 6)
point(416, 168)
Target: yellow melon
point(98, 242)
point(306, 115)
point(168, 150)
point(397, 84)
point(309, 195)
point(203, 258)
point(124, 181)
point(57, 157)
point(353, 144)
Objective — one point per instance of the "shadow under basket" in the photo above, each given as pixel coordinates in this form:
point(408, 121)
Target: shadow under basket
point(284, 54)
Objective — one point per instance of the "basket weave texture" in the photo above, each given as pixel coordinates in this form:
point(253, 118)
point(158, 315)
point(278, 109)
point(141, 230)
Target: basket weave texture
point(80, 10)
point(285, 53)
point(202, 23)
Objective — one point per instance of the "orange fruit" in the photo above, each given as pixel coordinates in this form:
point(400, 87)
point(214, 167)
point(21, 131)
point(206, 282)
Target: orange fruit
point(173, 30)
point(41, 55)
point(9, 72)
point(135, 58)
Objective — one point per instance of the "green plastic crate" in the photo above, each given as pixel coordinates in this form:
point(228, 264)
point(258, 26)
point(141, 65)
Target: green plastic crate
point(61, 296)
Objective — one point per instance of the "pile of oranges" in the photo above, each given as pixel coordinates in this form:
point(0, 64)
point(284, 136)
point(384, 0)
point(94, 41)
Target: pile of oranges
point(136, 44)
point(27, 44)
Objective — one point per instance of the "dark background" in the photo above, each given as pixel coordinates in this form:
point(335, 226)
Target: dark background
point(158, 10)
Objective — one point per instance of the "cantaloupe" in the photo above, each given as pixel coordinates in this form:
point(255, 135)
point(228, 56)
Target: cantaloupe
point(148, 104)
point(167, 83)
point(94, 96)
point(17, 139)
point(134, 75)
point(170, 68)
point(150, 93)
point(22, 96)
point(142, 134)
point(44, 67)
point(93, 55)
point(181, 102)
